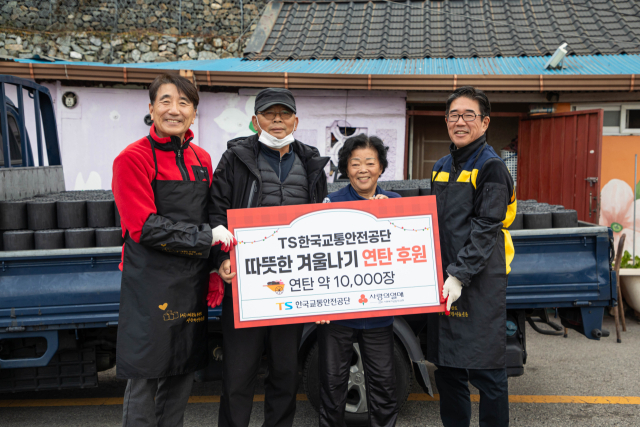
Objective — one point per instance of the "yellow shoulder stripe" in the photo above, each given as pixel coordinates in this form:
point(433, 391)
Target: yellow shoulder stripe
point(509, 250)
point(512, 208)
point(464, 176)
point(442, 176)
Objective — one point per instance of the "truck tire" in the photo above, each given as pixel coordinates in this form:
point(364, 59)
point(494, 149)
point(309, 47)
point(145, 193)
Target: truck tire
point(356, 411)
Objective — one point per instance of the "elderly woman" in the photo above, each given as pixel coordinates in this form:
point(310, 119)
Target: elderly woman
point(363, 159)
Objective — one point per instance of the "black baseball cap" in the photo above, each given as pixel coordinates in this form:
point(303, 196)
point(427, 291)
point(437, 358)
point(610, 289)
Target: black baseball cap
point(274, 96)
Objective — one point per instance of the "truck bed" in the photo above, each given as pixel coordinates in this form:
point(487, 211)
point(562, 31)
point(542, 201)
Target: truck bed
point(76, 288)
point(61, 289)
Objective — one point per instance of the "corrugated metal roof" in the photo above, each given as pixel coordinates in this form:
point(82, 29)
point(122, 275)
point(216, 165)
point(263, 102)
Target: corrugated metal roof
point(574, 65)
point(381, 29)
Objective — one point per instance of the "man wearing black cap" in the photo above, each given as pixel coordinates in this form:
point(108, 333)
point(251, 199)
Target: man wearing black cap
point(271, 168)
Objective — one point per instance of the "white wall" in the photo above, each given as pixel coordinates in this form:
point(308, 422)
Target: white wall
point(106, 120)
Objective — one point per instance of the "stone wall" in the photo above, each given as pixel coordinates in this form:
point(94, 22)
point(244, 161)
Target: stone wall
point(130, 48)
point(127, 31)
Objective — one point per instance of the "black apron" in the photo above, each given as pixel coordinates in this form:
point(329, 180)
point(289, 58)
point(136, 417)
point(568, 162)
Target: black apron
point(474, 336)
point(162, 327)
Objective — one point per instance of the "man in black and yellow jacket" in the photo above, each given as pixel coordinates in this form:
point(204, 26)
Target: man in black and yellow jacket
point(476, 204)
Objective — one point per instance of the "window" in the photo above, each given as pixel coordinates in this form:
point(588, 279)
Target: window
point(612, 118)
point(611, 122)
point(630, 119)
point(619, 119)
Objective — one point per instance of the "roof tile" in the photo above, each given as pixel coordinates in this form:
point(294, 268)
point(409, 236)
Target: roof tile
point(440, 29)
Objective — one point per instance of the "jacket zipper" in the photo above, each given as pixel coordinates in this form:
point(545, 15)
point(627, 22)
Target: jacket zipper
point(253, 190)
point(254, 185)
point(181, 166)
point(312, 187)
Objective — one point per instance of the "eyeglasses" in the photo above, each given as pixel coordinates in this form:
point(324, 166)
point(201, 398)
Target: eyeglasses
point(270, 115)
point(467, 117)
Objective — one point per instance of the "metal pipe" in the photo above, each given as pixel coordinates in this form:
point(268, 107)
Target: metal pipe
point(4, 128)
point(22, 130)
point(36, 107)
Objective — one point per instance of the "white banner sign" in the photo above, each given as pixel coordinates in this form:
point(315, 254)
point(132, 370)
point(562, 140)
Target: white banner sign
point(336, 264)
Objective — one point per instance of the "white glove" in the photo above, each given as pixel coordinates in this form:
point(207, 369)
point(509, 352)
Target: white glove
point(222, 236)
point(453, 289)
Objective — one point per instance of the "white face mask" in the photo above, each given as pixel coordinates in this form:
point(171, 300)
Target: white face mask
point(273, 142)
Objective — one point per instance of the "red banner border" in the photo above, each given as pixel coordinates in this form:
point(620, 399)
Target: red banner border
point(285, 215)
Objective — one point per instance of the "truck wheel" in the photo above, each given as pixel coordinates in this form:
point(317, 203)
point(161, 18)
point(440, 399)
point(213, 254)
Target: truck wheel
point(357, 408)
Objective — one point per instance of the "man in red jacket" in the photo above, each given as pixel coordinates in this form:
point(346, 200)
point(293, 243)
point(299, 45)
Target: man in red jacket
point(161, 186)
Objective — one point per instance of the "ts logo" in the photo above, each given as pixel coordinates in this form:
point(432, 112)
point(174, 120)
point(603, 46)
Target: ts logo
point(287, 305)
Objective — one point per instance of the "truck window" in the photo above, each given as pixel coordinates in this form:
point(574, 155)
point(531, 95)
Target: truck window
point(14, 141)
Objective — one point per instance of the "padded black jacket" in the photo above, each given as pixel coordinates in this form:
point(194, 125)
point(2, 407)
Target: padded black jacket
point(237, 183)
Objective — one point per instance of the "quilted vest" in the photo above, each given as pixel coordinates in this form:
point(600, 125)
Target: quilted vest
point(293, 191)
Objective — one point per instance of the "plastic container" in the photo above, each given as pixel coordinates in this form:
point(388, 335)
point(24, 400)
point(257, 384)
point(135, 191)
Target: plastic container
point(18, 240)
point(72, 213)
point(49, 239)
point(79, 238)
point(101, 213)
point(13, 215)
point(111, 236)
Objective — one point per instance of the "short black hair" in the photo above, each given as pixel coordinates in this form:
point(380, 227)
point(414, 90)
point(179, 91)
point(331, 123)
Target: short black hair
point(184, 85)
point(473, 94)
point(362, 141)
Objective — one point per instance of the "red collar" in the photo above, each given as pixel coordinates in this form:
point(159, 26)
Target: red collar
point(187, 136)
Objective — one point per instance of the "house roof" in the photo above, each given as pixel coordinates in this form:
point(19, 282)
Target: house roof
point(443, 29)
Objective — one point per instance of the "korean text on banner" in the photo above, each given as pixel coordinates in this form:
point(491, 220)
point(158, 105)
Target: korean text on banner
point(333, 261)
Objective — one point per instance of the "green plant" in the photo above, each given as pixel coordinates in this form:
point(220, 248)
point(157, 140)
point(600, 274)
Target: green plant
point(625, 262)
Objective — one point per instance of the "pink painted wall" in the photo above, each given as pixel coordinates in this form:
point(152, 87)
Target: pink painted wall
point(106, 120)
